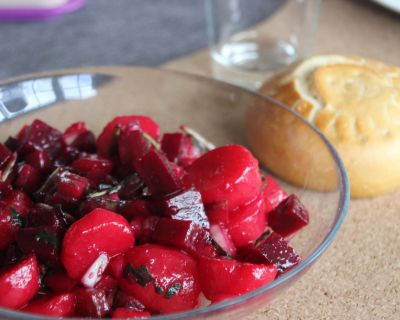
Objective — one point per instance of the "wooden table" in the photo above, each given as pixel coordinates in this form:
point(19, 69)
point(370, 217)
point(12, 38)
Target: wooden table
point(359, 276)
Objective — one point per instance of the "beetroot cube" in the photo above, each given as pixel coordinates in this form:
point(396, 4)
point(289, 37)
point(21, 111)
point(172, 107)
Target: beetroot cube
point(10, 221)
point(179, 148)
point(58, 281)
point(143, 227)
point(85, 142)
point(103, 202)
point(131, 186)
point(132, 146)
point(184, 235)
point(272, 250)
point(73, 131)
point(42, 241)
point(28, 178)
point(136, 208)
point(157, 173)
point(123, 300)
point(5, 156)
point(289, 217)
point(186, 205)
point(40, 160)
point(72, 186)
point(171, 145)
point(92, 303)
point(106, 141)
point(41, 136)
point(18, 200)
point(93, 167)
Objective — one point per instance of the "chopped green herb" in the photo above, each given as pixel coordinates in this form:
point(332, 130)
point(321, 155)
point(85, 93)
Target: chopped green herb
point(16, 217)
point(47, 237)
point(158, 289)
point(150, 139)
point(263, 236)
point(173, 290)
point(141, 274)
point(197, 139)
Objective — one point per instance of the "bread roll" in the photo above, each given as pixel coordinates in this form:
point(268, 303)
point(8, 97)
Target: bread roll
point(355, 102)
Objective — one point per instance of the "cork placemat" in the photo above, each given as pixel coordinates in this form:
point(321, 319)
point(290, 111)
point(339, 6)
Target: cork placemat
point(359, 276)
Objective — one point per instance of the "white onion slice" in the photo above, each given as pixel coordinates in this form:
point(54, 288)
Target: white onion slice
point(95, 271)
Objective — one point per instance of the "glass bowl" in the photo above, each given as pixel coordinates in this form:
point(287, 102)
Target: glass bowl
point(218, 111)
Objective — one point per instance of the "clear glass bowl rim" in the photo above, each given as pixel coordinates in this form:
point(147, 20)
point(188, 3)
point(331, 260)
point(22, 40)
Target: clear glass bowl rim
point(343, 182)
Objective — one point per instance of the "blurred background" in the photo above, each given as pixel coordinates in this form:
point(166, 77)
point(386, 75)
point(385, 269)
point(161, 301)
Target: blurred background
point(145, 33)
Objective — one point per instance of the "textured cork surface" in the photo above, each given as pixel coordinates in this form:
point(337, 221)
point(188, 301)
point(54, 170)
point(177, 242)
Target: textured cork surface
point(359, 276)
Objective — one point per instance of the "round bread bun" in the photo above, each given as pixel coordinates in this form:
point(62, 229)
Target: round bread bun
point(355, 103)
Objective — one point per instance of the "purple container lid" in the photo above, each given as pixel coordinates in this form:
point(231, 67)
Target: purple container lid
point(34, 14)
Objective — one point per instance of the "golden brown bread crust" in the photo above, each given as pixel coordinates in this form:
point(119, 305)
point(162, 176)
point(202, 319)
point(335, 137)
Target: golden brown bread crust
point(355, 102)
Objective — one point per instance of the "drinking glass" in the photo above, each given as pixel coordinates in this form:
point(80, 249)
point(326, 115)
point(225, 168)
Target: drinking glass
point(251, 39)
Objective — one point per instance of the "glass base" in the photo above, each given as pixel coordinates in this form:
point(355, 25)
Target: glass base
point(249, 63)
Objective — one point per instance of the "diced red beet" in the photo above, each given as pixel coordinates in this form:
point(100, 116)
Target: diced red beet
point(247, 222)
point(123, 300)
point(11, 255)
point(61, 305)
point(223, 239)
point(179, 148)
point(156, 171)
point(131, 314)
point(221, 276)
point(12, 144)
point(171, 144)
point(94, 273)
point(108, 136)
point(101, 202)
point(42, 241)
point(19, 283)
point(20, 201)
point(273, 194)
point(58, 281)
point(5, 156)
point(186, 235)
point(97, 232)
point(10, 222)
point(92, 303)
point(40, 160)
point(116, 266)
point(272, 249)
point(93, 167)
point(136, 208)
point(289, 217)
point(131, 187)
point(143, 227)
point(85, 142)
point(132, 146)
point(163, 279)
point(107, 283)
point(40, 136)
point(28, 178)
point(73, 131)
point(185, 205)
point(226, 173)
point(42, 215)
point(72, 186)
